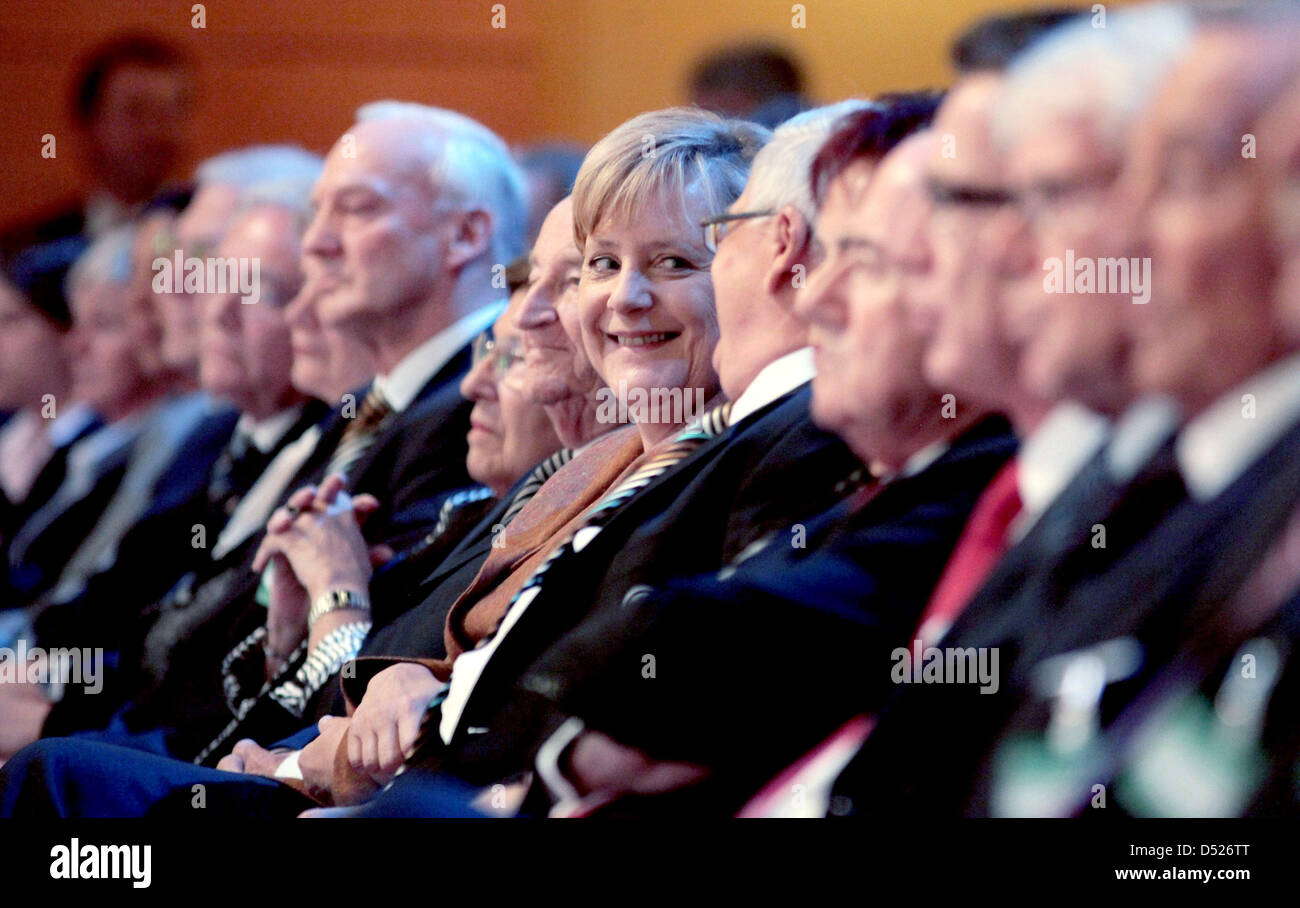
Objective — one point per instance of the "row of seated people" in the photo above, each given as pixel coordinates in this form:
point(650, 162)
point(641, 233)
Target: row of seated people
point(826, 471)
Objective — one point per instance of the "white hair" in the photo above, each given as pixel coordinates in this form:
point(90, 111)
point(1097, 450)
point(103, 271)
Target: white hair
point(1107, 74)
point(780, 174)
point(249, 168)
point(106, 261)
point(469, 164)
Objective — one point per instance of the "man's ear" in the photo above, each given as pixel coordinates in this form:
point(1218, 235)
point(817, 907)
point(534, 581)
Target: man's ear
point(471, 237)
point(790, 242)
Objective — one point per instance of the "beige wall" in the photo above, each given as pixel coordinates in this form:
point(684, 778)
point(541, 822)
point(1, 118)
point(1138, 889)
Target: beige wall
point(293, 70)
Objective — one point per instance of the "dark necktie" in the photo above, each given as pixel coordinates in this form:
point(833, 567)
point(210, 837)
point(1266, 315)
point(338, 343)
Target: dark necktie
point(361, 432)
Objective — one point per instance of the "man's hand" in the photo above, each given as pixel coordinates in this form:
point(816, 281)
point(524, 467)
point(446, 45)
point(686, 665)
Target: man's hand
point(252, 759)
point(601, 768)
point(316, 760)
point(387, 721)
point(324, 551)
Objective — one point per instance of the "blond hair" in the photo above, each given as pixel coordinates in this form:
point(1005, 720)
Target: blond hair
point(662, 151)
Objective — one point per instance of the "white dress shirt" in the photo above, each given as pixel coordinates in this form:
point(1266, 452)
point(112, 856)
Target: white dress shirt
point(1221, 443)
point(777, 378)
point(1051, 456)
point(404, 381)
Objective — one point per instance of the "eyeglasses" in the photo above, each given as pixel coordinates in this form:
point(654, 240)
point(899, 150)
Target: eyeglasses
point(503, 356)
point(954, 194)
point(716, 227)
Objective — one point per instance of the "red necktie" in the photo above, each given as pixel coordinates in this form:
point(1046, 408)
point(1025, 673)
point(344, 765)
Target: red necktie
point(983, 542)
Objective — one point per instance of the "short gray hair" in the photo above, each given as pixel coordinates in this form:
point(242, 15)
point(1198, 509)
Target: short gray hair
point(248, 168)
point(781, 172)
point(1108, 75)
point(664, 150)
point(470, 164)
point(106, 261)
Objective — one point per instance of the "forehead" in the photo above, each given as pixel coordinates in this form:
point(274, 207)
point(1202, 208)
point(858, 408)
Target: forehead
point(381, 154)
point(663, 215)
point(208, 213)
point(555, 239)
point(266, 230)
point(966, 152)
point(1057, 144)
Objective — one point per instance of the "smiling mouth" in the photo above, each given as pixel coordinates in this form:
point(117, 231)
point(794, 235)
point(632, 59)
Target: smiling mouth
point(643, 340)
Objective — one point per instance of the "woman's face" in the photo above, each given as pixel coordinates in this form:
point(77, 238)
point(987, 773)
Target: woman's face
point(645, 300)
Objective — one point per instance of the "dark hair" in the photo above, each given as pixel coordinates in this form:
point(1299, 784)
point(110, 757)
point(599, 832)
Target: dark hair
point(174, 199)
point(761, 70)
point(993, 42)
point(870, 134)
point(40, 272)
point(124, 50)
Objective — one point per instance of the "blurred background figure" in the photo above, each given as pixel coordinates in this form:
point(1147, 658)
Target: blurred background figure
point(759, 82)
point(131, 103)
point(550, 169)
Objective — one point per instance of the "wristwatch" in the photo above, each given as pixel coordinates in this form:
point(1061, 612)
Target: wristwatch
point(333, 600)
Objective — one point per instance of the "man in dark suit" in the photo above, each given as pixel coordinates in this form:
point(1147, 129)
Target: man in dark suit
point(1124, 613)
point(405, 441)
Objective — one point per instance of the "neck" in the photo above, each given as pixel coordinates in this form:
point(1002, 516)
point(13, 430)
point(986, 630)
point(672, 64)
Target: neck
point(147, 395)
point(892, 456)
point(265, 409)
point(395, 335)
point(575, 421)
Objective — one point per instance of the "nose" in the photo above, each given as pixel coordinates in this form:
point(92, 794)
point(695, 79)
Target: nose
point(479, 383)
point(1010, 242)
point(321, 237)
point(821, 301)
point(630, 294)
point(538, 309)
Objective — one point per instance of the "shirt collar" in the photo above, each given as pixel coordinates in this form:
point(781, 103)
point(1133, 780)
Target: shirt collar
point(1052, 455)
point(72, 423)
point(777, 378)
point(404, 381)
point(1218, 445)
point(265, 434)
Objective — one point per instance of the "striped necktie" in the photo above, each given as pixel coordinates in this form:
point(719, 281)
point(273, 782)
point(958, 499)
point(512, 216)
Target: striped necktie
point(361, 431)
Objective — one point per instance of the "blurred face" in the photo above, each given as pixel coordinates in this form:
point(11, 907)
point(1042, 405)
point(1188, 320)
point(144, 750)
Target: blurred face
point(1197, 208)
point(1072, 345)
point(377, 245)
point(645, 300)
point(32, 359)
point(153, 238)
point(198, 230)
point(107, 369)
point(555, 364)
point(869, 388)
point(740, 271)
point(138, 128)
point(327, 362)
point(244, 352)
point(1282, 173)
point(509, 434)
point(970, 354)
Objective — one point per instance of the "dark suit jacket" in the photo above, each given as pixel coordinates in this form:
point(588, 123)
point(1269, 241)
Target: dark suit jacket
point(416, 460)
point(755, 665)
point(1179, 553)
point(748, 465)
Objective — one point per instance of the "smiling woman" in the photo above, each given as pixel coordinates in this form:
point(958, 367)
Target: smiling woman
point(645, 298)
